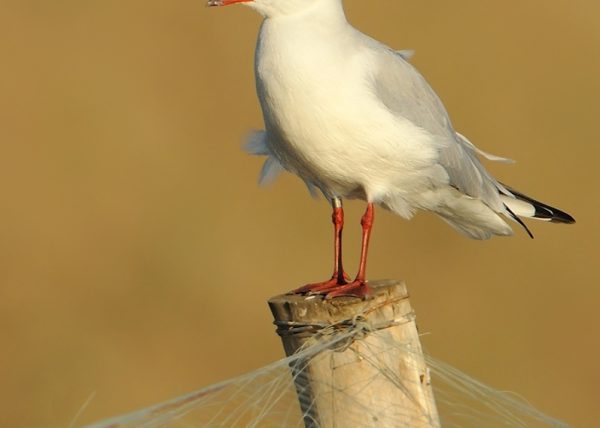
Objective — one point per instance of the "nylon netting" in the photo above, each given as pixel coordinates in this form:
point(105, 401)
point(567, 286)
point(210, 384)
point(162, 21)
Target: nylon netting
point(269, 396)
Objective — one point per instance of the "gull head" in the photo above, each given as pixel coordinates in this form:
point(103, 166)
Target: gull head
point(272, 8)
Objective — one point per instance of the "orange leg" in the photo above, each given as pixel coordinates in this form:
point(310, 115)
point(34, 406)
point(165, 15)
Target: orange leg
point(339, 277)
point(358, 287)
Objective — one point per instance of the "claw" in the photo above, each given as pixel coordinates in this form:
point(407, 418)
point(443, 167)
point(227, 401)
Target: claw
point(356, 288)
point(322, 287)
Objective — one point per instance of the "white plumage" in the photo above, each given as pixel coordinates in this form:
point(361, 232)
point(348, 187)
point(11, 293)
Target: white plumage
point(352, 118)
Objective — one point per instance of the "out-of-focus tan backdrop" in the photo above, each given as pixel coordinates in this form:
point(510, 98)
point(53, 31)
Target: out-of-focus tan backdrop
point(137, 252)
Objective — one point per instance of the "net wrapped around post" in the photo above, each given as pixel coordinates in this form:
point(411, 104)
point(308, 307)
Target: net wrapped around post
point(359, 380)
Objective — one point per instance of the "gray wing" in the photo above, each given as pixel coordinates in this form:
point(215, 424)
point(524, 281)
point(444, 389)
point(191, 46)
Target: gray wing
point(406, 93)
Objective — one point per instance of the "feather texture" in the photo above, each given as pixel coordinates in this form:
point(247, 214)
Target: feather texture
point(352, 118)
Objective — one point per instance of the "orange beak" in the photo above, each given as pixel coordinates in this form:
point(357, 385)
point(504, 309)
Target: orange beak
point(225, 2)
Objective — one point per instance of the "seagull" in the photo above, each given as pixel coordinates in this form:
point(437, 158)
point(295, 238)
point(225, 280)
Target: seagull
point(354, 119)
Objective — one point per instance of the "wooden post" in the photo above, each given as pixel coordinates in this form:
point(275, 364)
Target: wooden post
point(376, 376)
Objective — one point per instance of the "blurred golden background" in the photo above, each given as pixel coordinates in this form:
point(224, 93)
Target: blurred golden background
point(137, 252)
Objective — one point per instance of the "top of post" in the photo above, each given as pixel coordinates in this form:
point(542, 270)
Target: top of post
point(294, 313)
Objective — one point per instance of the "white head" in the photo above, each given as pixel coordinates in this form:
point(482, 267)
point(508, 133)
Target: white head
point(273, 8)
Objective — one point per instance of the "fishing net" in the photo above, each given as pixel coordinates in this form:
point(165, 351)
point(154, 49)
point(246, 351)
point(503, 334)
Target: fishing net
point(273, 396)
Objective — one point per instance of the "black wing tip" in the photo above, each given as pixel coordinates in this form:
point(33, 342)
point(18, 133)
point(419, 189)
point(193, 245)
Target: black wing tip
point(544, 211)
point(554, 215)
point(562, 217)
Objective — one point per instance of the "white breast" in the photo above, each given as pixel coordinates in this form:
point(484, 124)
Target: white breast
point(322, 116)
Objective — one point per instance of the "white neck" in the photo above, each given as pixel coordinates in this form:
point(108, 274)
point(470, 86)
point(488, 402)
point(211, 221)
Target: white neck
point(329, 11)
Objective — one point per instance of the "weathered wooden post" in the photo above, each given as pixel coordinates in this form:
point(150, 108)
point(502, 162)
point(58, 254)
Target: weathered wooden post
point(377, 377)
